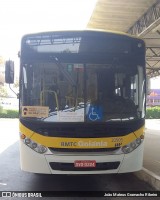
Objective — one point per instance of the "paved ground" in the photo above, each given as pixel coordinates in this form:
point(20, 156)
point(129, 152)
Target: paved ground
point(9, 133)
point(152, 151)
point(153, 124)
point(151, 162)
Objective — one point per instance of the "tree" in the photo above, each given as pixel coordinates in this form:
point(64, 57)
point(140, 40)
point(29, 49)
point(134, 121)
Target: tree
point(3, 91)
point(1, 78)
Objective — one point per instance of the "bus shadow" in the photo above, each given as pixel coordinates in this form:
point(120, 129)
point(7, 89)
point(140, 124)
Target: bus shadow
point(68, 182)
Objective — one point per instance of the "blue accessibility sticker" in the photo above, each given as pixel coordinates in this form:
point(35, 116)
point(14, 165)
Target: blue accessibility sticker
point(95, 113)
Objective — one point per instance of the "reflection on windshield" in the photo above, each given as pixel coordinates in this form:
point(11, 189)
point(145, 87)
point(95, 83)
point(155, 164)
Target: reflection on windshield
point(78, 92)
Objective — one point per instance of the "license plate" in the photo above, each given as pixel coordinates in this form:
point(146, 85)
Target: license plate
point(85, 163)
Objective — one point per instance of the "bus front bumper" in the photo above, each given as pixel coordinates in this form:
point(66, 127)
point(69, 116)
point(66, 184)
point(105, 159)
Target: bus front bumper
point(32, 161)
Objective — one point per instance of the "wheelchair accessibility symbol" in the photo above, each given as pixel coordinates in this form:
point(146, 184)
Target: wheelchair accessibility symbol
point(95, 113)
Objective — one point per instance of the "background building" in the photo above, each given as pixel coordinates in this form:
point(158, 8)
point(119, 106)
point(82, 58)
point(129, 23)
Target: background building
point(153, 99)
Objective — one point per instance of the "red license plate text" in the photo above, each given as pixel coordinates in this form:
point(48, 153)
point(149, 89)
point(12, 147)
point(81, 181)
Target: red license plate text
point(85, 163)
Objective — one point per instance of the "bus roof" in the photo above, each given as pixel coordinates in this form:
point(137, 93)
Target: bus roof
point(83, 30)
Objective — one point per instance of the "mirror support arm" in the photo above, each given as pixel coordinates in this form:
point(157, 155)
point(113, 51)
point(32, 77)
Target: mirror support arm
point(17, 94)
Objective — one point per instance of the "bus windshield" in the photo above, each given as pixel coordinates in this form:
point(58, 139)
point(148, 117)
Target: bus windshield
point(80, 79)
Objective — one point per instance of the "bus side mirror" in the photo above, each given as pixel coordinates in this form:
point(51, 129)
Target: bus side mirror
point(9, 72)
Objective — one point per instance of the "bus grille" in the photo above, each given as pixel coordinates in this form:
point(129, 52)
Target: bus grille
point(53, 150)
point(70, 166)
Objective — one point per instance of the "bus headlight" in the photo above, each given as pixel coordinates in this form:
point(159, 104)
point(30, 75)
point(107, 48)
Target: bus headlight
point(35, 146)
point(132, 146)
point(138, 141)
point(42, 149)
point(27, 141)
point(126, 149)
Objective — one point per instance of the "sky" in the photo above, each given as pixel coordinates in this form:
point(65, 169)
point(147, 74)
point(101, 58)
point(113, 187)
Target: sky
point(155, 83)
point(20, 17)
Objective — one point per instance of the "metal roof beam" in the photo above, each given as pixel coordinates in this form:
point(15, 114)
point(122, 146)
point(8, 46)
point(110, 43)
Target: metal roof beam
point(149, 21)
point(153, 73)
point(152, 58)
point(151, 49)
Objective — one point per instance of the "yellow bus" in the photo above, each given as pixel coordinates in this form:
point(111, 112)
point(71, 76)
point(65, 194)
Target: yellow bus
point(82, 102)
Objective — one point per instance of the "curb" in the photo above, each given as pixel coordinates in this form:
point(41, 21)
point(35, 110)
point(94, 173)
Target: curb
point(149, 177)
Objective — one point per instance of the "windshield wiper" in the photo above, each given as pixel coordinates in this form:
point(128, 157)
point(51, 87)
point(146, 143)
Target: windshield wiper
point(69, 78)
point(120, 119)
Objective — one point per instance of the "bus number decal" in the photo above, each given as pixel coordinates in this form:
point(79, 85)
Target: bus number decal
point(118, 144)
point(117, 140)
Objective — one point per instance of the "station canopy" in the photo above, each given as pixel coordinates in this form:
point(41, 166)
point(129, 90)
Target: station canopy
point(136, 17)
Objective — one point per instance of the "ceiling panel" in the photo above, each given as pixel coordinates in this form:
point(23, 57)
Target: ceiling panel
point(121, 15)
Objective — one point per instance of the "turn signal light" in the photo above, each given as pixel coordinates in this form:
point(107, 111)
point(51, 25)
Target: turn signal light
point(22, 136)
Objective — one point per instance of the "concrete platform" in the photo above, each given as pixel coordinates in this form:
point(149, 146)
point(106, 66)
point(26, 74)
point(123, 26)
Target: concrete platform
point(151, 162)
